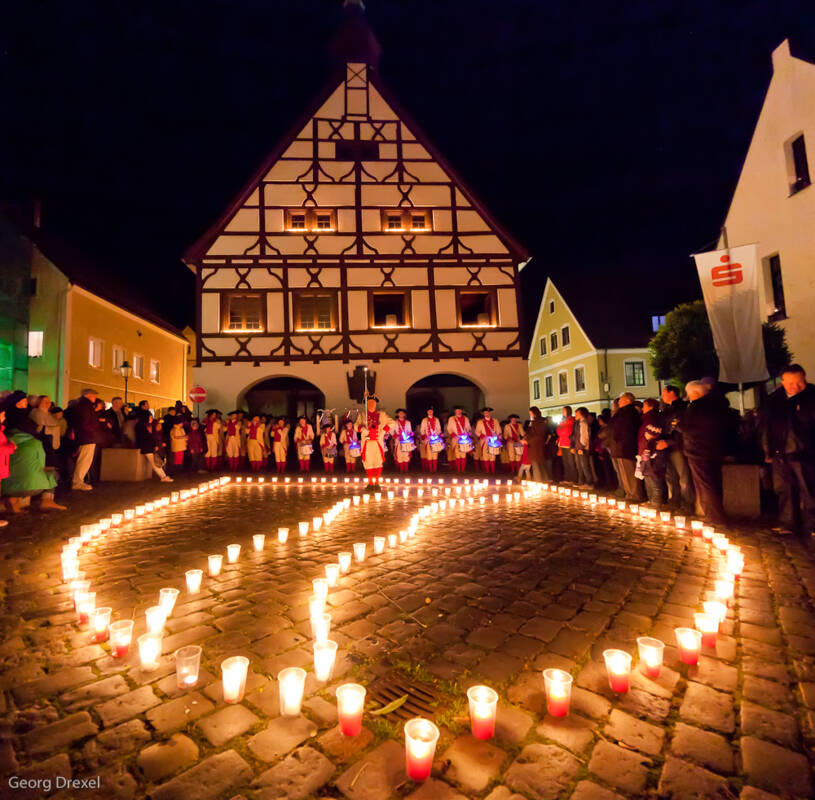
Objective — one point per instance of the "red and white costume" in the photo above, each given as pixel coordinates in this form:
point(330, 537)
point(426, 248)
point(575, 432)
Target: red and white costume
point(279, 439)
point(328, 448)
point(254, 444)
point(212, 432)
point(347, 438)
point(512, 437)
point(232, 444)
point(457, 426)
point(484, 429)
point(430, 427)
point(303, 435)
point(373, 442)
point(402, 431)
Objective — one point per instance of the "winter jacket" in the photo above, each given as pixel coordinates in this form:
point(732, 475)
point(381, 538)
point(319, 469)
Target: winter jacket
point(84, 422)
point(671, 422)
point(6, 449)
point(564, 432)
point(704, 427)
point(144, 436)
point(788, 425)
point(625, 426)
point(650, 430)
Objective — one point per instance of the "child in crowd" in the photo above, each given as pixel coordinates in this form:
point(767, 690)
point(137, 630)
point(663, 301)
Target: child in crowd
point(524, 464)
point(328, 447)
point(350, 445)
point(178, 443)
point(195, 446)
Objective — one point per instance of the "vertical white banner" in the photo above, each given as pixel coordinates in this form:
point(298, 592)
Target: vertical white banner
point(729, 281)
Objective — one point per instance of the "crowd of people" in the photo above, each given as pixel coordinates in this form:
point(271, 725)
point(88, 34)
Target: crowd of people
point(665, 452)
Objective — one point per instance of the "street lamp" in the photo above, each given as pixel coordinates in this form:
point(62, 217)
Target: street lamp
point(125, 370)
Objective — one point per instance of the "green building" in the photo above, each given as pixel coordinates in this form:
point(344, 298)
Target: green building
point(15, 293)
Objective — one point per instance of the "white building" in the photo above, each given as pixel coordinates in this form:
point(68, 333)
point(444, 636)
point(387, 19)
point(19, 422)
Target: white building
point(355, 245)
point(774, 202)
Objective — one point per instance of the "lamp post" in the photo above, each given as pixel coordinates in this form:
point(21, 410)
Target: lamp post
point(125, 369)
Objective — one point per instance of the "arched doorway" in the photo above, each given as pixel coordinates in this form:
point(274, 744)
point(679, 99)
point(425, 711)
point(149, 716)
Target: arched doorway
point(443, 392)
point(284, 396)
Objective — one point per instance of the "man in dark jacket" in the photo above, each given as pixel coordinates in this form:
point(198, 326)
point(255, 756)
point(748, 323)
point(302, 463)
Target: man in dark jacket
point(788, 441)
point(680, 483)
point(704, 428)
point(86, 433)
point(116, 416)
point(625, 426)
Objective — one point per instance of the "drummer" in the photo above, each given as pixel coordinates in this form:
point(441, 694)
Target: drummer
point(403, 444)
point(431, 443)
point(303, 438)
point(350, 445)
point(488, 435)
point(459, 441)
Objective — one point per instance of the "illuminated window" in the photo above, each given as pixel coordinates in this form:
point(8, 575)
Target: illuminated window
point(635, 373)
point(777, 284)
point(580, 379)
point(95, 353)
point(311, 219)
point(563, 382)
point(388, 309)
point(118, 358)
point(405, 219)
point(548, 387)
point(298, 222)
point(418, 222)
point(324, 222)
point(35, 344)
point(565, 336)
point(476, 308)
point(395, 222)
point(536, 389)
point(155, 371)
point(315, 311)
point(243, 312)
point(138, 366)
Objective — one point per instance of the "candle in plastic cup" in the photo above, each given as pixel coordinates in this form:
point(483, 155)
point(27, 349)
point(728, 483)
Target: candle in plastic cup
point(320, 586)
point(316, 605)
point(193, 577)
point(129, 513)
point(100, 619)
point(359, 551)
point(558, 686)
point(332, 574)
point(116, 519)
point(392, 540)
point(324, 655)
point(350, 704)
point(233, 552)
point(317, 523)
point(187, 664)
point(259, 540)
point(618, 667)
point(483, 703)
point(233, 678)
point(379, 544)
point(696, 526)
point(708, 531)
point(79, 587)
point(303, 527)
point(155, 616)
point(724, 590)
point(716, 609)
point(403, 536)
point(166, 599)
point(651, 653)
point(421, 736)
point(344, 559)
point(708, 626)
point(690, 643)
point(149, 651)
point(215, 563)
point(679, 521)
point(320, 627)
point(282, 535)
point(665, 516)
point(85, 605)
point(121, 634)
point(291, 682)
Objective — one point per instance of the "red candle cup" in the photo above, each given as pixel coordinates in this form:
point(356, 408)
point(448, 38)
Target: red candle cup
point(421, 736)
point(650, 652)
point(690, 643)
point(483, 707)
point(708, 626)
point(350, 703)
point(121, 634)
point(100, 620)
point(558, 686)
point(618, 666)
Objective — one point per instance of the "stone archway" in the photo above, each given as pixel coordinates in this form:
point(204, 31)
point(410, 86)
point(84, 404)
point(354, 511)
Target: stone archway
point(442, 392)
point(284, 396)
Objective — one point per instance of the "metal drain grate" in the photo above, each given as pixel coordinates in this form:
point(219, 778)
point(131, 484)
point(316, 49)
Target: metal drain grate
point(421, 702)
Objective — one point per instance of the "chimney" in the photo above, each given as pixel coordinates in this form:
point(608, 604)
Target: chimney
point(781, 56)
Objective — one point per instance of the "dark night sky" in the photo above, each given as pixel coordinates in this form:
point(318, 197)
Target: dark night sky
point(607, 136)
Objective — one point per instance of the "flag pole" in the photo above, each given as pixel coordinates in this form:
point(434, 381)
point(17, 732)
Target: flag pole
point(741, 385)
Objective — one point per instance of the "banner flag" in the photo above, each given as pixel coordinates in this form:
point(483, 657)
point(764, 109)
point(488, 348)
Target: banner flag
point(729, 281)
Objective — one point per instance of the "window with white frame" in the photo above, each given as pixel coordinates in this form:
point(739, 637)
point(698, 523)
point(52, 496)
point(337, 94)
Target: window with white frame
point(95, 352)
point(536, 389)
point(580, 379)
point(551, 306)
point(635, 373)
point(138, 366)
point(155, 371)
point(543, 345)
point(35, 344)
point(563, 383)
point(118, 358)
point(565, 336)
point(553, 341)
point(548, 385)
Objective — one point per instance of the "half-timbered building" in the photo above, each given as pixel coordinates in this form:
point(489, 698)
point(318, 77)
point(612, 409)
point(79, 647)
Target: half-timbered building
point(356, 253)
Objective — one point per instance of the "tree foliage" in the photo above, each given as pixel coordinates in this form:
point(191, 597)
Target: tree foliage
point(682, 349)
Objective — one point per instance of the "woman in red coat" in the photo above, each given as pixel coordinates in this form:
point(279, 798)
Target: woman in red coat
point(6, 449)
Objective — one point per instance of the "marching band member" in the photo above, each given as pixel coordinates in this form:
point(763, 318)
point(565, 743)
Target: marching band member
point(255, 446)
point(514, 446)
point(280, 443)
point(431, 441)
point(373, 429)
point(243, 433)
point(487, 432)
point(212, 431)
point(232, 443)
point(403, 444)
point(350, 445)
point(303, 438)
point(460, 439)
point(328, 446)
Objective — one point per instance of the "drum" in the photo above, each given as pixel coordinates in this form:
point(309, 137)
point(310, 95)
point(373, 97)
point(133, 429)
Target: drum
point(331, 452)
point(354, 449)
point(519, 448)
point(407, 446)
point(465, 443)
point(304, 450)
point(494, 445)
point(436, 444)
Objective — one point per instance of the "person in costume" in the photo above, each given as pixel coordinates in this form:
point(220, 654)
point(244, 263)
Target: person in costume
point(488, 436)
point(178, 443)
point(279, 439)
point(328, 446)
point(243, 435)
point(403, 444)
point(514, 447)
point(432, 442)
point(460, 441)
point(350, 445)
point(373, 429)
point(255, 446)
point(303, 441)
point(212, 432)
point(232, 442)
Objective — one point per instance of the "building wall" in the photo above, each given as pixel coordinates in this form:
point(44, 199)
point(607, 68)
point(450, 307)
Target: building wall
point(764, 211)
point(14, 307)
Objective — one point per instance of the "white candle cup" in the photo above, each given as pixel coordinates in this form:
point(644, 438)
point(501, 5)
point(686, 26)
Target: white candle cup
point(317, 523)
point(356, 499)
point(366, 498)
point(233, 678)
point(149, 651)
point(344, 560)
point(141, 510)
point(105, 523)
point(679, 521)
point(291, 682)
point(233, 552)
point(421, 736)
point(214, 563)
point(665, 516)
point(187, 665)
point(392, 537)
point(689, 642)
point(129, 513)
point(303, 528)
point(708, 626)
point(100, 620)
point(316, 605)
point(724, 590)
point(716, 608)
point(194, 577)
point(166, 599)
point(332, 574)
point(359, 551)
point(320, 587)
point(325, 654)
point(320, 627)
point(651, 653)
point(379, 544)
point(403, 536)
point(259, 541)
point(116, 519)
point(155, 617)
point(282, 535)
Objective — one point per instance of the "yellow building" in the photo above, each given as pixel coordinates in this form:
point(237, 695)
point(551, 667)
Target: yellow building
point(589, 350)
point(773, 205)
point(81, 331)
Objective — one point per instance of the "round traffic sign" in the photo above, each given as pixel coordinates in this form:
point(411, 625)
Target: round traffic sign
point(198, 394)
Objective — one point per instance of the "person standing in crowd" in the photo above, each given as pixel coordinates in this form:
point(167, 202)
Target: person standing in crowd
point(148, 446)
point(431, 442)
point(279, 439)
point(607, 476)
point(515, 447)
point(48, 429)
point(232, 442)
point(328, 446)
point(254, 443)
point(488, 434)
point(6, 449)
point(536, 435)
point(460, 441)
point(625, 426)
point(303, 441)
point(117, 416)
point(243, 437)
point(212, 433)
point(581, 448)
point(524, 470)
point(651, 458)
point(403, 444)
point(195, 446)
point(351, 448)
point(178, 443)
point(85, 429)
point(565, 429)
point(788, 441)
point(678, 477)
point(704, 433)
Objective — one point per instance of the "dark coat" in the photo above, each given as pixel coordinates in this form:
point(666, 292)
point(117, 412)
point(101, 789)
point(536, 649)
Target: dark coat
point(625, 426)
point(788, 425)
point(84, 422)
point(671, 424)
point(705, 426)
point(145, 440)
point(536, 439)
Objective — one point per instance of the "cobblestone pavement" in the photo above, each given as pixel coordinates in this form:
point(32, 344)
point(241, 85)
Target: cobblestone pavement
point(483, 594)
